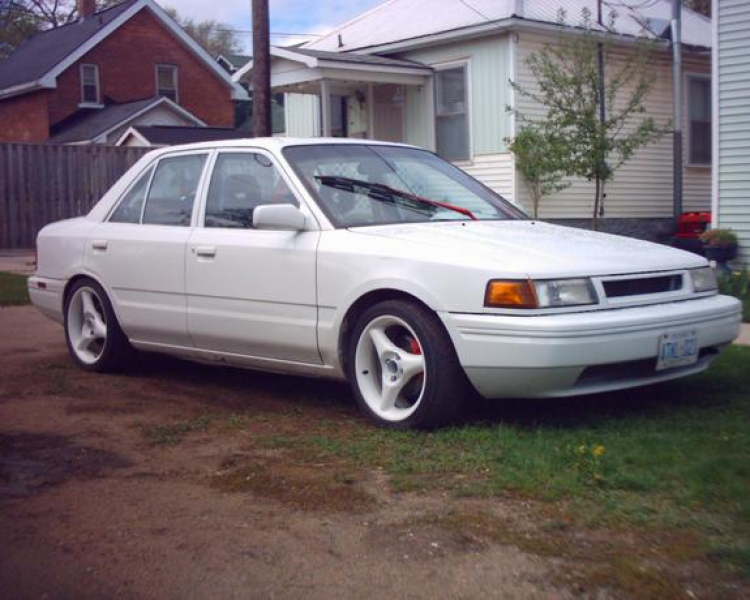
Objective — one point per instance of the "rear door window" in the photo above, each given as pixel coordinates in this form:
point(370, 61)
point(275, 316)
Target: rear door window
point(172, 193)
point(130, 207)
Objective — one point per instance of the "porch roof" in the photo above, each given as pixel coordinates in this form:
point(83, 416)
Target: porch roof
point(293, 69)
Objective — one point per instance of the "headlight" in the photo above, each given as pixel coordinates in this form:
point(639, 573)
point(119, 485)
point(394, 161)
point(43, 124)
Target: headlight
point(704, 280)
point(512, 293)
point(565, 292)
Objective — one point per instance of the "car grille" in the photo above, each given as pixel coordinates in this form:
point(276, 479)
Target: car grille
point(619, 288)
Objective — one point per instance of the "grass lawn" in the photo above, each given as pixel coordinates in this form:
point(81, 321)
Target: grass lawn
point(673, 459)
point(13, 290)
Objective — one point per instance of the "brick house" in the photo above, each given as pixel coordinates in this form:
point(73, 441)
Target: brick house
point(128, 65)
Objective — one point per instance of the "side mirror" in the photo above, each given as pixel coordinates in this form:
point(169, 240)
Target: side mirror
point(284, 217)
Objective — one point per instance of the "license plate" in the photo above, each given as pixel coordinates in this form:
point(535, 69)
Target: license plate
point(677, 350)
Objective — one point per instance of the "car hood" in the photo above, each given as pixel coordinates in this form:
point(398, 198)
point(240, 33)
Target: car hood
point(535, 248)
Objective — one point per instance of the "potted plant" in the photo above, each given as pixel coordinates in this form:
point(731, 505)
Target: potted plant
point(720, 245)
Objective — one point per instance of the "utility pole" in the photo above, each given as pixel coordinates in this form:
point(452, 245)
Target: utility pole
point(261, 70)
point(676, 28)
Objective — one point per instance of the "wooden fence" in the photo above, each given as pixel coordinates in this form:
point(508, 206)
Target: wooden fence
point(41, 183)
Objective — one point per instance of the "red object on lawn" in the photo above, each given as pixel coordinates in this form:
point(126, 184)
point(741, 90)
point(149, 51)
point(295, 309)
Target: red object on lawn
point(692, 224)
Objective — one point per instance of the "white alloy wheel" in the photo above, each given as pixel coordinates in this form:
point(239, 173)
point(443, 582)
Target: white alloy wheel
point(87, 325)
point(390, 368)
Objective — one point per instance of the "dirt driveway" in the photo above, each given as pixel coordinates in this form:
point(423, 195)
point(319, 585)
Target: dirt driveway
point(102, 495)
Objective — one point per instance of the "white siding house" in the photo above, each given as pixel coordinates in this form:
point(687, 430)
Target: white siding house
point(731, 94)
point(436, 73)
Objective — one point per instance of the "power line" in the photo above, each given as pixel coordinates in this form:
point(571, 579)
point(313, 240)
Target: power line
point(250, 32)
point(474, 9)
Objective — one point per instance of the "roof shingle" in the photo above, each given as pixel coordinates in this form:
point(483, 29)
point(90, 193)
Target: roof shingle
point(41, 53)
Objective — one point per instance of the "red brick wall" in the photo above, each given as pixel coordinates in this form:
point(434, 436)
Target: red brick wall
point(127, 61)
point(25, 118)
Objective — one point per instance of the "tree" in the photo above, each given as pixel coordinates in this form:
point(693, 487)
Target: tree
point(541, 160)
point(215, 37)
point(571, 89)
point(22, 19)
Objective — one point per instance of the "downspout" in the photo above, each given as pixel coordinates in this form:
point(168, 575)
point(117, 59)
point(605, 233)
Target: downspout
point(602, 108)
point(676, 28)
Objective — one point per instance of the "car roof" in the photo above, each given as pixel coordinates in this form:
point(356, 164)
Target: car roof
point(275, 143)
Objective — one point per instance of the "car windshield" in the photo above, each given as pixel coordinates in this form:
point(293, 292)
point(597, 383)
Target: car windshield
point(359, 185)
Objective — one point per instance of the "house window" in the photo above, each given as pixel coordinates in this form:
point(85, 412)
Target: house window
point(699, 115)
point(452, 113)
point(89, 84)
point(166, 82)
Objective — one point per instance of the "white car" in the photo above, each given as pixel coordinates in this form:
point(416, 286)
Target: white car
point(373, 262)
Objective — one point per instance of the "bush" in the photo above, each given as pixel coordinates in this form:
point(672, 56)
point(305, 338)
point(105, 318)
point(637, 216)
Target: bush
point(737, 284)
point(719, 237)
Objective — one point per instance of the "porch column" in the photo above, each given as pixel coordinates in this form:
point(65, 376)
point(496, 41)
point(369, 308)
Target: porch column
point(325, 107)
point(370, 111)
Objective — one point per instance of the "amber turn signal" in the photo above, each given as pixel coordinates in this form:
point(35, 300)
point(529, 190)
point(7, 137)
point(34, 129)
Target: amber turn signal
point(506, 293)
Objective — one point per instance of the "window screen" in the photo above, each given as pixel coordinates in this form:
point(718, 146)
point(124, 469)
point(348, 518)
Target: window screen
point(173, 189)
point(129, 209)
point(699, 111)
point(240, 182)
point(451, 114)
point(90, 84)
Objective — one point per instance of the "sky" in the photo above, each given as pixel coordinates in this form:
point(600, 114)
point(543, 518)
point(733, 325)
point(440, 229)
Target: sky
point(312, 17)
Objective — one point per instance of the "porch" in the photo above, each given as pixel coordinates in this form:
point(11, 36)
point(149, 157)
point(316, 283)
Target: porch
point(333, 94)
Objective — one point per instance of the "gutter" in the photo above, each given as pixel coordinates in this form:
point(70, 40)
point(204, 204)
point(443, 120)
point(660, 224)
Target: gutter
point(23, 88)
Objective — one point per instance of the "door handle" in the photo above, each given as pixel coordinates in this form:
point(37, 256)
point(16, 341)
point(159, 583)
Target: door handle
point(205, 251)
point(99, 245)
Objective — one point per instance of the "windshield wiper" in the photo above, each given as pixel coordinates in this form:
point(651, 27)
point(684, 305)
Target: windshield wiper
point(348, 184)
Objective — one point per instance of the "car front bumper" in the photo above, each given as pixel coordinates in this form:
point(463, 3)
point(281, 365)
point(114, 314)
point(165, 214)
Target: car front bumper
point(585, 353)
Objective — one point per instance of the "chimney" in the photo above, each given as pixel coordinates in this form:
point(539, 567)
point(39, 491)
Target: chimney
point(86, 9)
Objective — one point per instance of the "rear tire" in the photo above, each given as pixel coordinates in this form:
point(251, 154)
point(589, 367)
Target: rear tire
point(94, 337)
point(403, 368)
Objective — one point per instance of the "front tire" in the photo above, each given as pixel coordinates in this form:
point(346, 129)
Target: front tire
point(403, 368)
point(94, 338)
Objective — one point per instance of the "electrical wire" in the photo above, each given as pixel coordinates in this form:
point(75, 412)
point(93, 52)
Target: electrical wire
point(474, 9)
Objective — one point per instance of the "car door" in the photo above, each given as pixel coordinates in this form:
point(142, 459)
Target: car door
point(139, 251)
point(251, 292)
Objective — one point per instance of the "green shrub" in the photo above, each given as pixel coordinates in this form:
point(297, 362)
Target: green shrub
point(737, 284)
point(719, 237)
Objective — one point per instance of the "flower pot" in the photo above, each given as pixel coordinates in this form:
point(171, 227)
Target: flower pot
point(721, 254)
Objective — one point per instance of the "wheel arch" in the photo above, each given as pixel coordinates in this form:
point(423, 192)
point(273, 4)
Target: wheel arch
point(86, 275)
point(75, 279)
point(359, 306)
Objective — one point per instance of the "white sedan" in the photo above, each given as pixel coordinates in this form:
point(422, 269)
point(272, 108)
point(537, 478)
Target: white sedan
point(377, 263)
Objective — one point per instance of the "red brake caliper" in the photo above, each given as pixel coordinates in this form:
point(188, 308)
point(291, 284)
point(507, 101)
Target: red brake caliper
point(415, 348)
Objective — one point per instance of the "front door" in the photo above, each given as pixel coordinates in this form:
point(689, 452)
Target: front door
point(251, 292)
point(139, 252)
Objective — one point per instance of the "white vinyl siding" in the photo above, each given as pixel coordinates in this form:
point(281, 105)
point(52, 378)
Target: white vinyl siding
point(495, 171)
point(302, 115)
point(488, 93)
point(642, 188)
point(733, 111)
